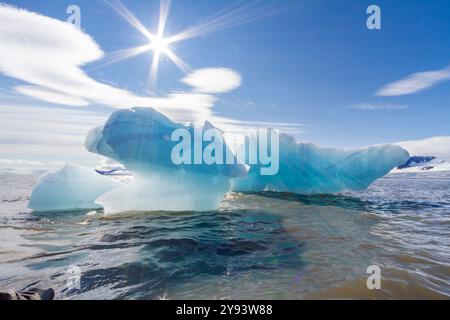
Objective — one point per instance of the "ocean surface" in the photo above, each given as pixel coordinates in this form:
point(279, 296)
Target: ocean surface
point(257, 246)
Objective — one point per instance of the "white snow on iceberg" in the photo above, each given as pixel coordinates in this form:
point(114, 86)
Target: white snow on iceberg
point(70, 188)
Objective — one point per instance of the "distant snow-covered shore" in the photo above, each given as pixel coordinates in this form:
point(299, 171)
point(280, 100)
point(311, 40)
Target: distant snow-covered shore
point(427, 155)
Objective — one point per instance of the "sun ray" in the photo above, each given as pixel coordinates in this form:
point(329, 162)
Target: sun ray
point(119, 55)
point(233, 16)
point(178, 61)
point(229, 17)
point(123, 11)
point(164, 9)
point(158, 43)
point(154, 70)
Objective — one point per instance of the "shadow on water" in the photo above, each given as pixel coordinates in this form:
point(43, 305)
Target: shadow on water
point(351, 203)
point(177, 249)
point(339, 201)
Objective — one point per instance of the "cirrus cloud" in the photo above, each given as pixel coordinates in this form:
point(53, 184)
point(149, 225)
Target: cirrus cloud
point(48, 95)
point(369, 106)
point(415, 83)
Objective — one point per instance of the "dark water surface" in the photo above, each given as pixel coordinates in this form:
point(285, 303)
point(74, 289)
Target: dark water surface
point(257, 246)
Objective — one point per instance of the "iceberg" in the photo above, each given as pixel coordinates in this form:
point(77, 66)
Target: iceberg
point(71, 188)
point(167, 190)
point(308, 169)
point(140, 139)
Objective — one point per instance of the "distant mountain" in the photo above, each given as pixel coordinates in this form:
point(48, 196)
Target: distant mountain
point(432, 154)
point(416, 161)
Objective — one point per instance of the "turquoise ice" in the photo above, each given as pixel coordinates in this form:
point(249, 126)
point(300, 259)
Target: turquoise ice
point(140, 139)
point(70, 188)
point(308, 169)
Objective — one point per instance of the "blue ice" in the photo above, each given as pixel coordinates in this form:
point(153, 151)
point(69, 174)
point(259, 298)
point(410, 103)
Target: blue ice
point(308, 169)
point(140, 139)
point(70, 188)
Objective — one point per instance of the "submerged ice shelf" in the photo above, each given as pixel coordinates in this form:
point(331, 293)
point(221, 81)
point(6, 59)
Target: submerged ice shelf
point(140, 139)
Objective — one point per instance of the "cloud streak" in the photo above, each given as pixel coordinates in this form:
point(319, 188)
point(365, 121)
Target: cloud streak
point(50, 96)
point(46, 134)
point(368, 106)
point(415, 83)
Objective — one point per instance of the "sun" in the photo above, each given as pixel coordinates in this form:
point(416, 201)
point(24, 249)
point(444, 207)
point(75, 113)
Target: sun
point(159, 44)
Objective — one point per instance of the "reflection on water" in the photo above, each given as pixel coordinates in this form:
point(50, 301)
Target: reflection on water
point(258, 246)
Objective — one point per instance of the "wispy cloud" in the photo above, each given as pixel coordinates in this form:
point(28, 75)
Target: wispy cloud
point(15, 162)
point(415, 83)
point(46, 134)
point(18, 166)
point(48, 54)
point(51, 96)
point(378, 106)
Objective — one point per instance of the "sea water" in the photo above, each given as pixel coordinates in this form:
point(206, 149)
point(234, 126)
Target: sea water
point(256, 246)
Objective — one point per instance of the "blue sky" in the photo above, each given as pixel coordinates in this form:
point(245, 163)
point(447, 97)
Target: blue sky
point(312, 63)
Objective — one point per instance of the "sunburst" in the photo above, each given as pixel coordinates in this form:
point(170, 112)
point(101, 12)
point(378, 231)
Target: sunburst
point(160, 44)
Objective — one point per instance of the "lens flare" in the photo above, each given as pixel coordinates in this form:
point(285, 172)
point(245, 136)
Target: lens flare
point(234, 15)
